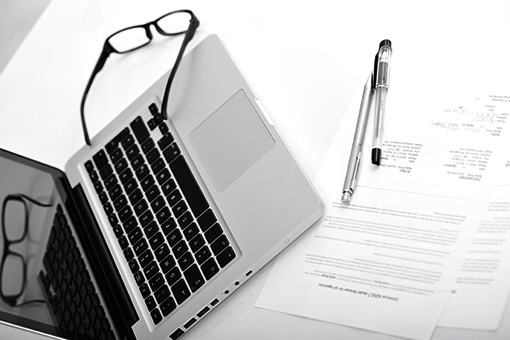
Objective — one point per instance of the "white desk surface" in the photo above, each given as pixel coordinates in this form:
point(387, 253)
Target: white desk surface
point(303, 59)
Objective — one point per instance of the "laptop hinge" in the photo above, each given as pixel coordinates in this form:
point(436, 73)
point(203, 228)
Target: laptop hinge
point(113, 290)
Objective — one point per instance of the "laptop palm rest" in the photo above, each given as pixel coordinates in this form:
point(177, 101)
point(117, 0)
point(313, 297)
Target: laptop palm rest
point(231, 140)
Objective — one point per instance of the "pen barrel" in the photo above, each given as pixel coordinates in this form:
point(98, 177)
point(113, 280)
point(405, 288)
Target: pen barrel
point(351, 176)
point(381, 94)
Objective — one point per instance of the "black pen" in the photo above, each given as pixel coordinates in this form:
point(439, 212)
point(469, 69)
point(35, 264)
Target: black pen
point(382, 82)
point(351, 177)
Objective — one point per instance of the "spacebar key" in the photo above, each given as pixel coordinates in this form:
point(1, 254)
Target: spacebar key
point(189, 186)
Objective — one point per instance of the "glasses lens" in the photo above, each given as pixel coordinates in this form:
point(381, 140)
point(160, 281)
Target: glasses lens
point(14, 220)
point(12, 276)
point(174, 23)
point(129, 39)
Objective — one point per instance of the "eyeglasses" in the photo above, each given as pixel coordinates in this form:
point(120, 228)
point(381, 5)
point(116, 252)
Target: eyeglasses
point(13, 267)
point(135, 37)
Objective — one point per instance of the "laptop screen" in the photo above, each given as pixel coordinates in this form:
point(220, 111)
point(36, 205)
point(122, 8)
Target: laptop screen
point(45, 285)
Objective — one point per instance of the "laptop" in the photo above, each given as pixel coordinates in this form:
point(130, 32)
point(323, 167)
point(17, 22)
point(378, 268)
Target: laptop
point(158, 221)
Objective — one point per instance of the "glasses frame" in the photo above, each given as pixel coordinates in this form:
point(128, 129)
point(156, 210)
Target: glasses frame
point(109, 49)
point(11, 300)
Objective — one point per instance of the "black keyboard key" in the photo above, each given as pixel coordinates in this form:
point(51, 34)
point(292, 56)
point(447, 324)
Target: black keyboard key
point(168, 306)
point(115, 192)
point(162, 293)
point(140, 247)
point(146, 218)
point(158, 165)
point(110, 182)
point(130, 224)
point(185, 261)
point(89, 166)
point(140, 207)
point(174, 237)
point(139, 129)
point(146, 258)
point(167, 264)
point(168, 226)
point(135, 235)
point(135, 196)
point(168, 187)
point(151, 229)
point(219, 245)
point(153, 108)
point(145, 290)
point(163, 176)
point(163, 214)
point(112, 145)
point(132, 151)
point(147, 146)
point(206, 220)
point(194, 278)
point(127, 141)
point(152, 193)
point(202, 255)
point(180, 291)
point(163, 128)
point(196, 243)
point(147, 182)
point(133, 265)
point(174, 197)
point(180, 248)
point(139, 279)
point(213, 233)
point(156, 241)
point(121, 165)
point(156, 316)
point(191, 231)
point(150, 303)
point(165, 141)
point(150, 270)
point(130, 185)
point(157, 281)
point(226, 256)
point(210, 268)
point(171, 152)
point(137, 161)
point(162, 252)
point(179, 209)
point(106, 171)
point(115, 155)
point(173, 275)
point(189, 186)
point(184, 220)
point(142, 171)
point(100, 159)
point(153, 155)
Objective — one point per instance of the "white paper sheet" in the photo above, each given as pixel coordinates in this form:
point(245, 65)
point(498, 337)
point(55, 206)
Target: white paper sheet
point(389, 260)
point(483, 286)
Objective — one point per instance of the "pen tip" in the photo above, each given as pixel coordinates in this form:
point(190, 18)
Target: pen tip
point(376, 156)
point(346, 197)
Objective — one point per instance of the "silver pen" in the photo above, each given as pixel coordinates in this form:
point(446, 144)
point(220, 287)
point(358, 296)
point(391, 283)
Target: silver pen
point(382, 82)
point(351, 177)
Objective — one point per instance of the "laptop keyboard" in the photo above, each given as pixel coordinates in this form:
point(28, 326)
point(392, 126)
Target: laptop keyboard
point(66, 283)
point(170, 237)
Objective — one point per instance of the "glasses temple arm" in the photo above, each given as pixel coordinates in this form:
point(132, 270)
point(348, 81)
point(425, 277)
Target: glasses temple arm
point(189, 35)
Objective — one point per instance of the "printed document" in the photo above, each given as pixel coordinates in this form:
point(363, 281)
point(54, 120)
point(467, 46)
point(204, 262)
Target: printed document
point(389, 261)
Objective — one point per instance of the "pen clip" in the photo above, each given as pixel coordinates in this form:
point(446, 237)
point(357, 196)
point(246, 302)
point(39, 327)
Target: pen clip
point(375, 70)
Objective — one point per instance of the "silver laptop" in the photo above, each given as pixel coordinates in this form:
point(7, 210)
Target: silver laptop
point(172, 215)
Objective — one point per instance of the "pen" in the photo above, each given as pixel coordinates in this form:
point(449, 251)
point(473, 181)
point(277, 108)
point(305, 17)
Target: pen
point(382, 77)
point(351, 177)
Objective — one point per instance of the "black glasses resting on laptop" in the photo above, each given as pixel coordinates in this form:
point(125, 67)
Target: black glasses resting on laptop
point(13, 266)
point(135, 37)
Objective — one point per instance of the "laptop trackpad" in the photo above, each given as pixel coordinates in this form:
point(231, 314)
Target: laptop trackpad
point(231, 140)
